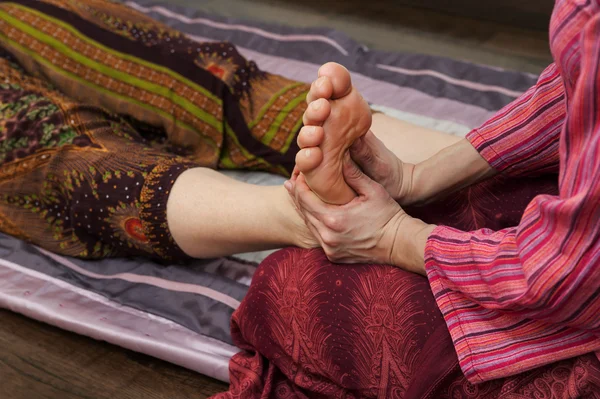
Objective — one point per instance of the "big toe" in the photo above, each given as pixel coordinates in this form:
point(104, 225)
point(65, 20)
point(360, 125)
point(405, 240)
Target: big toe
point(339, 78)
point(320, 88)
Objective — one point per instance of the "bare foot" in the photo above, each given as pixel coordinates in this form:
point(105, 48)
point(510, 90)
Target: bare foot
point(336, 117)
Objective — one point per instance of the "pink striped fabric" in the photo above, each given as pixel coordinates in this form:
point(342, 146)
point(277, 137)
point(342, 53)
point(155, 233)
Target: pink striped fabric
point(527, 296)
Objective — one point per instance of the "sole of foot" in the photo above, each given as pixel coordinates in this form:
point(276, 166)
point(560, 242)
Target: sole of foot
point(336, 116)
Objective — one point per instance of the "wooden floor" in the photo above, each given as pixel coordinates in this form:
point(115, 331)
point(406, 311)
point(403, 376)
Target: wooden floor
point(40, 361)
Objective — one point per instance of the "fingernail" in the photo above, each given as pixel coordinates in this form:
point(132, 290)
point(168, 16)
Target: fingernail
point(288, 185)
point(311, 130)
point(319, 82)
point(315, 104)
point(307, 153)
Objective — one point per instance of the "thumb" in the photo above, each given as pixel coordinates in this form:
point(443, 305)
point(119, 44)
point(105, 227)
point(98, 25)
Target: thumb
point(362, 152)
point(355, 178)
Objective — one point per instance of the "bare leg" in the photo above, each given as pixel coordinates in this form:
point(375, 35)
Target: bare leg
point(232, 217)
point(212, 215)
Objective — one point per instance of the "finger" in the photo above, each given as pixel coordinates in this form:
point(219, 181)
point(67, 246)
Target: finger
point(308, 159)
point(289, 186)
point(316, 224)
point(320, 88)
point(362, 151)
point(295, 173)
point(356, 179)
point(311, 221)
point(307, 199)
point(310, 136)
point(291, 189)
point(316, 113)
point(317, 229)
point(314, 231)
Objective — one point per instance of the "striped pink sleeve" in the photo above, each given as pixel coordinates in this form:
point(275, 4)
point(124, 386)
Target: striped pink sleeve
point(527, 296)
point(522, 138)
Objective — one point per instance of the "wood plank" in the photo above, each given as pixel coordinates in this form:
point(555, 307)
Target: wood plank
point(41, 361)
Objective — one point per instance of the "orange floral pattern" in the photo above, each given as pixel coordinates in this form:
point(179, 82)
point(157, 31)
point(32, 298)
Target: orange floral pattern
point(74, 178)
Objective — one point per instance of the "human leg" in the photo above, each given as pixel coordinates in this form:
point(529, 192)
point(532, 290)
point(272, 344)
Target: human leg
point(79, 181)
point(217, 107)
point(262, 92)
point(211, 215)
point(312, 329)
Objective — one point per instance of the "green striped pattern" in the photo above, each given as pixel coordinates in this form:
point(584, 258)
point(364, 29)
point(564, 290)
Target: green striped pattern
point(52, 35)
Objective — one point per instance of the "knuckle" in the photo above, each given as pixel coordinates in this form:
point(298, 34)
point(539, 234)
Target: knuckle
point(355, 173)
point(364, 151)
point(333, 222)
point(331, 255)
point(335, 257)
point(367, 155)
point(330, 239)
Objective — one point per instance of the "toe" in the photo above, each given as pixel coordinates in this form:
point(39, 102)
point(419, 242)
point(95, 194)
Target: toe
point(310, 136)
point(339, 77)
point(316, 113)
point(308, 159)
point(320, 88)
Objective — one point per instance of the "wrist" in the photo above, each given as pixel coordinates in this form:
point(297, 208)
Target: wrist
point(415, 190)
point(405, 192)
point(408, 249)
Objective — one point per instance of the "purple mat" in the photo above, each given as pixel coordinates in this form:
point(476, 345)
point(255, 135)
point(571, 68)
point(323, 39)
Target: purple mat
point(181, 313)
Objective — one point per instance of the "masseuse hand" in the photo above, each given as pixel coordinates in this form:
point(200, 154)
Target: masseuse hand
point(377, 162)
point(384, 167)
point(372, 228)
